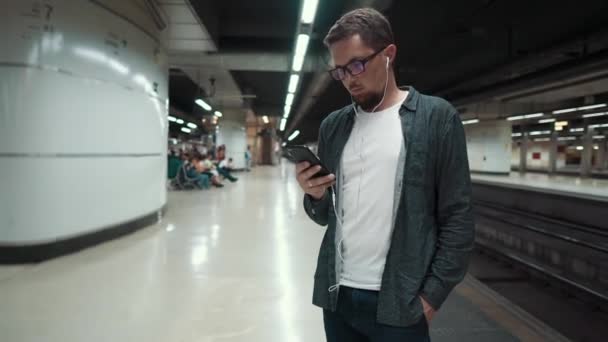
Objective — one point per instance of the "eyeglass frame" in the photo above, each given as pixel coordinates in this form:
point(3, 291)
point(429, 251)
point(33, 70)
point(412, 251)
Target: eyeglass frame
point(363, 62)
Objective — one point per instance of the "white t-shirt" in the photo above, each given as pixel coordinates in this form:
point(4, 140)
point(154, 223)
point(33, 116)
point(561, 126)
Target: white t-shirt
point(369, 167)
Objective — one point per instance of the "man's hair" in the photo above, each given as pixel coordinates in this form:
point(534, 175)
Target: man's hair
point(373, 28)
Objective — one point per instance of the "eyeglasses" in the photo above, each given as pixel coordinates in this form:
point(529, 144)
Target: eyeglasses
point(353, 68)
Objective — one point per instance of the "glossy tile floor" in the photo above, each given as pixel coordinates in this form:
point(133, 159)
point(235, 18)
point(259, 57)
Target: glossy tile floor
point(231, 264)
point(567, 184)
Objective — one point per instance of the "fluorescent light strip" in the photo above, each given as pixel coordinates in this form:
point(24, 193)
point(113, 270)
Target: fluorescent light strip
point(546, 121)
point(286, 111)
point(293, 135)
point(289, 99)
point(570, 110)
point(540, 132)
point(542, 139)
point(191, 125)
point(516, 134)
point(579, 148)
point(562, 111)
point(203, 104)
point(308, 11)
point(594, 115)
point(186, 130)
point(265, 118)
point(293, 83)
point(574, 130)
point(598, 126)
point(534, 115)
point(599, 137)
point(180, 121)
point(218, 114)
point(525, 116)
point(600, 105)
point(566, 138)
point(472, 121)
point(283, 123)
point(301, 46)
point(171, 118)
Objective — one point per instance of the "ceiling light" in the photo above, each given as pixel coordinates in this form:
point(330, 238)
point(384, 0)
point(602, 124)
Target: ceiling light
point(596, 147)
point(534, 115)
point(562, 111)
point(218, 114)
point(513, 118)
point(283, 123)
point(203, 104)
point(599, 137)
point(289, 99)
point(579, 148)
point(186, 130)
point(171, 118)
point(600, 105)
point(566, 138)
point(293, 135)
point(472, 121)
point(300, 53)
point(293, 83)
point(540, 132)
point(308, 11)
point(180, 121)
point(286, 111)
point(574, 130)
point(594, 115)
point(561, 123)
point(191, 125)
point(265, 118)
point(546, 120)
point(516, 135)
point(542, 139)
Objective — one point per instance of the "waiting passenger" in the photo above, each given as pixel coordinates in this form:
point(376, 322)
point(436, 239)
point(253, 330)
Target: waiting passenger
point(224, 169)
point(202, 179)
point(206, 166)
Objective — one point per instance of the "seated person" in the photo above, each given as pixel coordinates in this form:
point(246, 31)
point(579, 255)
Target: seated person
point(201, 179)
point(206, 166)
point(225, 167)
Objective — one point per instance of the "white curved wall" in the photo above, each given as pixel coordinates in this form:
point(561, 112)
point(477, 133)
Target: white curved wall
point(83, 118)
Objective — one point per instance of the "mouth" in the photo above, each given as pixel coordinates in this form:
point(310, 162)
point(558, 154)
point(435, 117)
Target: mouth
point(356, 90)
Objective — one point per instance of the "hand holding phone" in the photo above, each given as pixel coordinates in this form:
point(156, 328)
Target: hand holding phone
point(314, 178)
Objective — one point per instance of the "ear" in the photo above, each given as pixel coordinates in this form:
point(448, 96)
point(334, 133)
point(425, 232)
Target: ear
point(391, 53)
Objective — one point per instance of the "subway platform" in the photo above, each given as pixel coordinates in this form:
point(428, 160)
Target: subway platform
point(230, 264)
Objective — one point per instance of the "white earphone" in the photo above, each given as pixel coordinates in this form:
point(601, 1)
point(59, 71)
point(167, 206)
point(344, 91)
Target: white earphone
point(387, 60)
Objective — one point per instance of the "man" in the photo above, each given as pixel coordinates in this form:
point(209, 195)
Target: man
point(225, 168)
point(248, 158)
point(398, 201)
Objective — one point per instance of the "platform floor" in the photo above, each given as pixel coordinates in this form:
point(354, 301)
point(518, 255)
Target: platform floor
point(567, 185)
point(231, 264)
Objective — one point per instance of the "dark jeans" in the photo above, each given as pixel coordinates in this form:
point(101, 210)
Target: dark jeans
point(355, 321)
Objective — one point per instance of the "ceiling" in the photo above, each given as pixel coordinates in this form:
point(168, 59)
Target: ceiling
point(467, 51)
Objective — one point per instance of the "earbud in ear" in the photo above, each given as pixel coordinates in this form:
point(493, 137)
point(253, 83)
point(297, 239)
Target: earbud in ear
point(387, 60)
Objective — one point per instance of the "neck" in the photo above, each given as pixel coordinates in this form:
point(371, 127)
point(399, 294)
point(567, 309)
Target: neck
point(393, 94)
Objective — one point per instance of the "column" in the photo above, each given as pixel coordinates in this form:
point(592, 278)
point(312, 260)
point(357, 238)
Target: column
point(523, 153)
point(553, 153)
point(587, 156)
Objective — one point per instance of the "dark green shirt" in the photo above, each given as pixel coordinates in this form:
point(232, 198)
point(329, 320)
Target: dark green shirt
point(433, 229)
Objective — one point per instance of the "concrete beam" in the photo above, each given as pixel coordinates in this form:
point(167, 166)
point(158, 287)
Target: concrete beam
point(250, 61)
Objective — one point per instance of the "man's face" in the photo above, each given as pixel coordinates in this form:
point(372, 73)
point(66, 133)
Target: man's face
point(367, 87)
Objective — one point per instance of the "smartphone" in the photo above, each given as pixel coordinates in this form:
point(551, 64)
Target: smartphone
point(298, 154)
